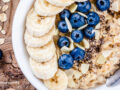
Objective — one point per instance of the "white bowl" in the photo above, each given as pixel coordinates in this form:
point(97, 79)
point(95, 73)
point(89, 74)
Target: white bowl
point(20, 50)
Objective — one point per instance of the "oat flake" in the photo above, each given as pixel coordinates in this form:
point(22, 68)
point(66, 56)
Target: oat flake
point(0, 28)
point(5, 7)
point(5, 1)
point(2, 40)
point(3, 31)
point(3, 17)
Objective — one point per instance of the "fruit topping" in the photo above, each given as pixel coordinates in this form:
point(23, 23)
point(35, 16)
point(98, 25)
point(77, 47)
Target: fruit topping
point(103, 4)
point(62, 26)
point(84, 7)
point(89, 32)
point(65, 61)
point(93, 18)
point(65, 13)
point(77, 20)
point(63, 41)
point(77, 54)
point(77, 36)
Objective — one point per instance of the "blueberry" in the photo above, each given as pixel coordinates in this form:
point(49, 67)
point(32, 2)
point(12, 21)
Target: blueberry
point(65, 13)
point(65, 61)
point(93, 19)
point(77, 54)
point(62, 26)
point(77, 20)
point(84, 7)
point(1, 54)
point(103, 4)
point(77, 36)
point(89, 32)
point(63, 41)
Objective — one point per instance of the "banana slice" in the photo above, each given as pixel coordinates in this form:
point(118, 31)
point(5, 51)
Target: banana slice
point(32, 41)
point(58, 82)
point(42, 54)
point(80, 0)
point(38, 26)
point(44, 70)
point(61, 3)
point(43, 8)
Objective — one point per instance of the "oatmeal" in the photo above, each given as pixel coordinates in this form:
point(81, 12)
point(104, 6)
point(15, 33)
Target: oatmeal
point(101, 59)
point(73, 41)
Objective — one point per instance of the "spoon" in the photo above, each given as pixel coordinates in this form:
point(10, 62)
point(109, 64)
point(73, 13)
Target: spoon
point(114, 80)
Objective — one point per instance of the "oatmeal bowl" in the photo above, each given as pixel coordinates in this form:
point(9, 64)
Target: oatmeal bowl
point(67, 44)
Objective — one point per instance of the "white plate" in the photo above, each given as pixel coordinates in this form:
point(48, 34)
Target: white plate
point(20, 50)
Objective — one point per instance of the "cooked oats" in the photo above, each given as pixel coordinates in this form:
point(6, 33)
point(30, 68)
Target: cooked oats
point(115, 5)
point(101, 59)
point(104, 63)
point(84, 68)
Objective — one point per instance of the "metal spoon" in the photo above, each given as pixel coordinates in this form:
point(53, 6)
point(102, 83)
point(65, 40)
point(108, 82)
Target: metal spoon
point(114, 80)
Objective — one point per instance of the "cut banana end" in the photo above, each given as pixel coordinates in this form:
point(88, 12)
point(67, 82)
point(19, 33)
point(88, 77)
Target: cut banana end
point(80, 0)
point(58, 82)
point(44, 8)
point(44, 70)
point(61, 3)
point(37, 25)
point(42, 54)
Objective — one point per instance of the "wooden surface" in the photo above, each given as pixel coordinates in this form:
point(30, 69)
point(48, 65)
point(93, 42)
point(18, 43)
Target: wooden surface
point(11, 78)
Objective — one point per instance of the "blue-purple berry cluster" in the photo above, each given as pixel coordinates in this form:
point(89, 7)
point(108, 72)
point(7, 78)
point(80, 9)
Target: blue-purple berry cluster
point(77, 20)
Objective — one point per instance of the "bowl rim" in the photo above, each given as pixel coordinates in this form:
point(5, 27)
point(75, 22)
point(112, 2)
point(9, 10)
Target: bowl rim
point(23, 7)
point(17, 48)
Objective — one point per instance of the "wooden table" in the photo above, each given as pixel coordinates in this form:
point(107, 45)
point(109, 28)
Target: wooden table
point(11, 77)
